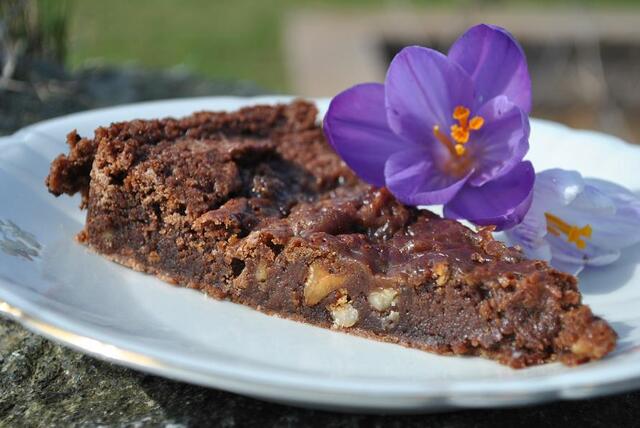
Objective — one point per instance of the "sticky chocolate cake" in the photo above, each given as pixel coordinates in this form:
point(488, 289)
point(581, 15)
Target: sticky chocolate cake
point(254, 207)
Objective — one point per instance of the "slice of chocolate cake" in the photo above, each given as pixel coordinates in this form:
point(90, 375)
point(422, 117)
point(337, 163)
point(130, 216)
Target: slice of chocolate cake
point(255, 207)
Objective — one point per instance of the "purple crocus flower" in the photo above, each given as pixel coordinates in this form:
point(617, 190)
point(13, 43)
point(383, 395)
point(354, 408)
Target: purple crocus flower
point(575, 222)
point(449, 130)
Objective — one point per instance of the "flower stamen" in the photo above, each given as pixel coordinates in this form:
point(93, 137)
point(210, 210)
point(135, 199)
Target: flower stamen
point(476, 123)
point(556, 226)
point(461, 114)
point(460, 132)
point(445, 140)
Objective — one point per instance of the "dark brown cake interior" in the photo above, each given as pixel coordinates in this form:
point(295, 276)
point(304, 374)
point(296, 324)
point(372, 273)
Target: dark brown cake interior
point(254, 207)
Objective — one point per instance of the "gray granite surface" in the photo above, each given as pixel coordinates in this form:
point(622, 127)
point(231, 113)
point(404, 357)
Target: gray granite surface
point(44, 384)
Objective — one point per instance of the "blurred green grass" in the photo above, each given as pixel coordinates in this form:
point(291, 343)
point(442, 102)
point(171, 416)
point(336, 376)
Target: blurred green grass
point(226, 39)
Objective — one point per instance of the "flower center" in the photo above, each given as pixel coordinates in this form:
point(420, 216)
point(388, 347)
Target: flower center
point(556, 226)
point(460, 131)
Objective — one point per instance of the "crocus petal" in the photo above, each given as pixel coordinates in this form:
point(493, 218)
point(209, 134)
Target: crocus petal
point(501, 143)
point(530, 234)
point(538, 252)
point(423, 87)
point(566, 252)
point(413, 177)
point(496, 63)
point(559, 185)
point(502, 202)
point(627, 207)
point(612, 212)
point(568, 196)
point(593, 201)
point(356, 127)
point(602, 257)
point(568, 267)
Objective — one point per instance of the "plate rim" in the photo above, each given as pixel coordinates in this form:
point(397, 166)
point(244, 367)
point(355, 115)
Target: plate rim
point(463, 391)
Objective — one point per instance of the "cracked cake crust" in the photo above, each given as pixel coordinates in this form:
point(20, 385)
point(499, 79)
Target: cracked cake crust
point(254, 207)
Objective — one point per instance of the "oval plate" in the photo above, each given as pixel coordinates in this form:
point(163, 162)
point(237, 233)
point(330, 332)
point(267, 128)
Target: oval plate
point(57, 288)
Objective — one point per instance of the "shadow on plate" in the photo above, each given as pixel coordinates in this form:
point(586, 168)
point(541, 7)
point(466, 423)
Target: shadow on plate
point(606, 279)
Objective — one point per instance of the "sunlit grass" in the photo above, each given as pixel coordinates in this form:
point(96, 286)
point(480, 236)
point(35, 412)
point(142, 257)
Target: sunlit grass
point(232, 39)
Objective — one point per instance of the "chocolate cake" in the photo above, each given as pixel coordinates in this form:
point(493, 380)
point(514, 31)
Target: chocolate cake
point(254, 207)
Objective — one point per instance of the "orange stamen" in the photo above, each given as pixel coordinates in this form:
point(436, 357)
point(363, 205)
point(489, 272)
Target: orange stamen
point(476, 123)
point(460, 132)
point(556, 226)
point(444, 140)
point(461, 114)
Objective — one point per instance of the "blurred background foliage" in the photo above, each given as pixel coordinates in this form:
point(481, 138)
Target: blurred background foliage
point(38, 28)
point(229, 39)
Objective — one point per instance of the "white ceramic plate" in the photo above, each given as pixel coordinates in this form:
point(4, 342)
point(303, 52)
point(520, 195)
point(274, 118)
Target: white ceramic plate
point(57, 288)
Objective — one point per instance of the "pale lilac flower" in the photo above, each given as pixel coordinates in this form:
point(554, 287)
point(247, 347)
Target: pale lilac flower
point(575, 222)
point(449, 130)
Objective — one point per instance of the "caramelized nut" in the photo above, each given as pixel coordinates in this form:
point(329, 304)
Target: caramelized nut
point(261, 272)
point(382, 298)
point(153, 257)
point(441, 273)
point(390, 320)
point(580, 347)
point(583, 348)
point(320, 283)
point(343, 313)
